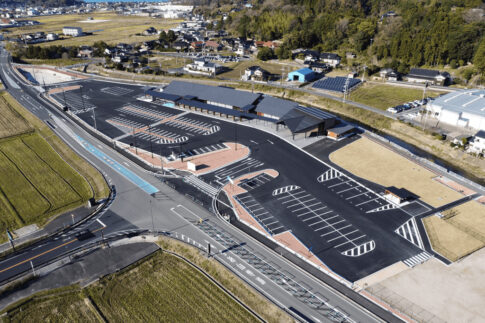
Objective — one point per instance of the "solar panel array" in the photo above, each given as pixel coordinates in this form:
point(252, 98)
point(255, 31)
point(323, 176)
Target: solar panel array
point(336, 84)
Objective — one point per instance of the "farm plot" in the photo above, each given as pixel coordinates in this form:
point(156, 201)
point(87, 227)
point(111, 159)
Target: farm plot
point(35, 182)
point(165, 289)
point(375, 163)
point(11, 122)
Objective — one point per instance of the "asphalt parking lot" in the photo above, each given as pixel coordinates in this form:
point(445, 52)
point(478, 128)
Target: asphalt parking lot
point(343, 220)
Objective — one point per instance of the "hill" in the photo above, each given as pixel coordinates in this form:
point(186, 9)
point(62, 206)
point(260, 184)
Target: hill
point(401, 33)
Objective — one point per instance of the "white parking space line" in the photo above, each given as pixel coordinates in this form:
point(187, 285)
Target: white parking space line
point(339, 184)
point(367, 201)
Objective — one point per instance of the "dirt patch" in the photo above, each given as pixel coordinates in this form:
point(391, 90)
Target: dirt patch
point(453, 293)
point(374, 162)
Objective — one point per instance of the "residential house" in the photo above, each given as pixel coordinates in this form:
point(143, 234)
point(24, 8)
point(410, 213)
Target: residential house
point(85, 52)
point(150, 31)
point(331, 59)
point(196, 46)
point(389, 74)
point(477, 144)
point(52, 36)
point(212, 46)
point(421, 75)
point(319, 68)
point(181, 45)
point(255, 73)
point(201, 66)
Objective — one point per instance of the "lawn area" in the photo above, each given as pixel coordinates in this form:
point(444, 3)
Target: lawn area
point(162, 288)
point(374, 162)
point(448, 240)
point(39, 175)
point(110, 28)
point(383, 96)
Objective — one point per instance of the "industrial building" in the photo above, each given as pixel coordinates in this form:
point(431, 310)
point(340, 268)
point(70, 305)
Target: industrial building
point(302, 75)
point(464, 108)
point(72, 31)
point(226, 101)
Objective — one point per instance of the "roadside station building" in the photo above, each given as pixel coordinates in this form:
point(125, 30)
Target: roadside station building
point(229, 102)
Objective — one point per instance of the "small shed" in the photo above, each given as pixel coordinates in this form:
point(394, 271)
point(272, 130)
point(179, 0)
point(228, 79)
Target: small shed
point(302, 75)
point(398, 195)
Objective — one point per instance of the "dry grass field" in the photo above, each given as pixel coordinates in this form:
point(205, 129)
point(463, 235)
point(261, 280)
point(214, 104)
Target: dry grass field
point(460, 232)
point(110, 28)
point(448, 240)
point(374, 162)
point(11, 122)
point(39, 175)
point(162, 288)
point(383, 96)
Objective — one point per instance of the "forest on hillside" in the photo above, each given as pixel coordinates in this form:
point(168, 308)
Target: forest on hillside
point(401, 32)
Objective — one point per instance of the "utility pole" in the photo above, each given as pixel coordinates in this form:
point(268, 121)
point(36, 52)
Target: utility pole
point(363, 76)
point(82, 98)
point(64, 94)
point(151, 139)
point(134, 138)
point(235, 134)
point(94, 119)
point(33, 270)
point(161, 159)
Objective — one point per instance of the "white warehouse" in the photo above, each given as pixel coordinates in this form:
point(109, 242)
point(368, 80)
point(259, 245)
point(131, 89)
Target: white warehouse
point(465, 108)
point(72, 31)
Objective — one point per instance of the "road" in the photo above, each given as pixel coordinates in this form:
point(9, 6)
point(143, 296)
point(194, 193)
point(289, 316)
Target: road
point(133, 209)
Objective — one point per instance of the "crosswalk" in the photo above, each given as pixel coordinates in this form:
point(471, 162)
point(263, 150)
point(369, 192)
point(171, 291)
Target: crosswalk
point(74, 101)
point(116, 90)
point(201, 185)
point(418, 259)
point(246, 166)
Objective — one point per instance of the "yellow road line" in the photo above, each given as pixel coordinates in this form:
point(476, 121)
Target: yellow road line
point(43, 253)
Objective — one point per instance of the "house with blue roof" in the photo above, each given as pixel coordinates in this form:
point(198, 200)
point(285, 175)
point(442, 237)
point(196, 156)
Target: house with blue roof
point(302, 75)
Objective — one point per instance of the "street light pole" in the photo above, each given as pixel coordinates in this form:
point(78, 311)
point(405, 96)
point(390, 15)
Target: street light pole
point(151, 214)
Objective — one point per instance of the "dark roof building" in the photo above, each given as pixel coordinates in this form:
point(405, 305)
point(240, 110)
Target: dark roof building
point(275, 108)
point(222, 96)
point(422, 75)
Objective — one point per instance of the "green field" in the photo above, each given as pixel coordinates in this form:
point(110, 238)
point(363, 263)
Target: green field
point(110, 28)
point(383, 96)
point(162, 288)
point(39, 175)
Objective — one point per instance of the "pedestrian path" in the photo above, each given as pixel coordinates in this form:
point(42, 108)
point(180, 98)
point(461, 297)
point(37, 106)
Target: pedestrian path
point(418, 259)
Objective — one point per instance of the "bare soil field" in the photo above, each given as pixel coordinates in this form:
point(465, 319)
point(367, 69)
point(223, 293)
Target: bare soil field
point(453, 293)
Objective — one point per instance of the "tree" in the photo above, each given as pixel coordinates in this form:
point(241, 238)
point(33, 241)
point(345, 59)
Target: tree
point(265, 53)
point(171, 37)
point(479, 58)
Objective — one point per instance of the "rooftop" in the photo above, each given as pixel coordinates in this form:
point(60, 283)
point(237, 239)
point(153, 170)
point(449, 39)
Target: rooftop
point(218, 94)
point(470, 101)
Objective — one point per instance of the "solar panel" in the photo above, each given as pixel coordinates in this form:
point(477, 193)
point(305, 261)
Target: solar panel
point(336, 84)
